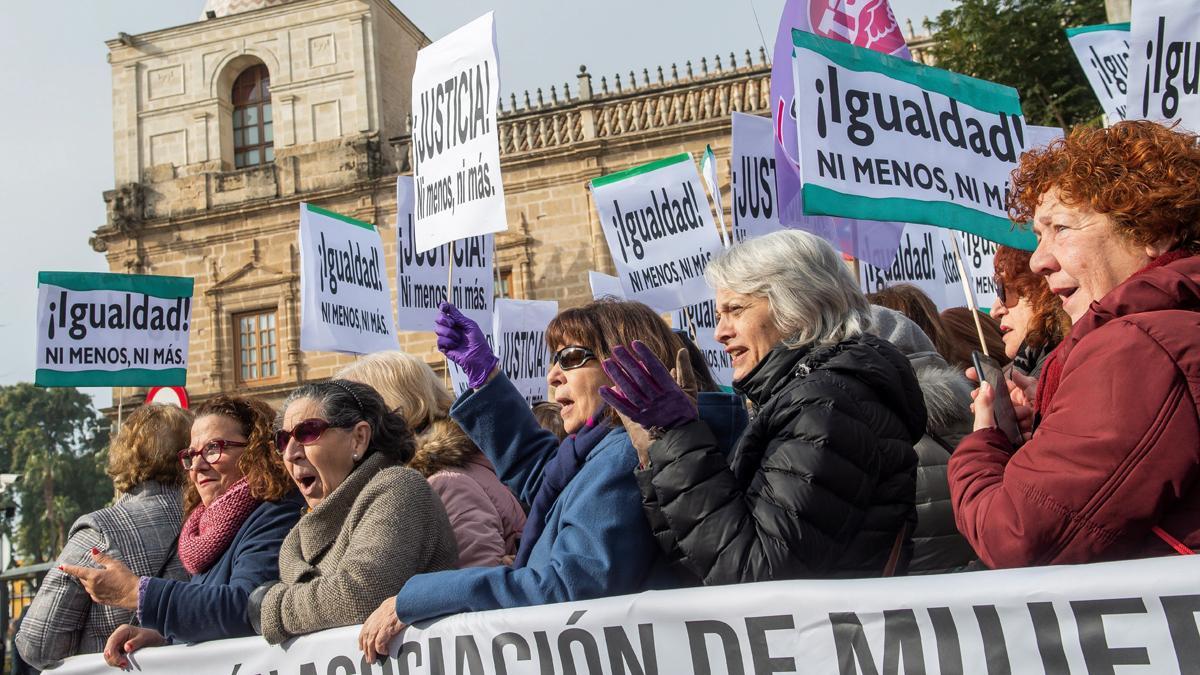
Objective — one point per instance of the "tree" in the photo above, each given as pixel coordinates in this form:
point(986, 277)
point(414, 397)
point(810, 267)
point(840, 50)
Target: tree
point(58, 444)
point(1021, 43)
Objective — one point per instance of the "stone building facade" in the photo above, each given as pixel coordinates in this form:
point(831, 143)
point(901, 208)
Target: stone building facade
point(187, 204)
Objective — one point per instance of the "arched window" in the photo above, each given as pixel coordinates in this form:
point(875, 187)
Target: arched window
point(253, 135)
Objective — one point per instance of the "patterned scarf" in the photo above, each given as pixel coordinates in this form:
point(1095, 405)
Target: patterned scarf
point(209, 529)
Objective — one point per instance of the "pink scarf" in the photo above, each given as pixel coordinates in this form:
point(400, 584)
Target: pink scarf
point(209, 529)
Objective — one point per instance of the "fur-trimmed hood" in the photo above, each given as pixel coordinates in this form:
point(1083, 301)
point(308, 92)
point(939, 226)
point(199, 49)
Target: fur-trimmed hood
point(946, 391)
point(442, 445)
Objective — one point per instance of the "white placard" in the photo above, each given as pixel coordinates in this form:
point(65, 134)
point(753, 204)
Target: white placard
point(700, 322)
point(605, 286)
point(755, 200)
point(882, 138)
point(1164, 64)
point(1122, 617)
point(345, 301)
point(421, 276)
point(520, 344)
point(455, 143)
point(97, 329)
point(660, 231)
point(1103, 53)
point(926, 260)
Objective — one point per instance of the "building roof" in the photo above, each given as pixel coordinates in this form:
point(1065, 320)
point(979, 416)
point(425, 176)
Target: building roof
point(221, 8)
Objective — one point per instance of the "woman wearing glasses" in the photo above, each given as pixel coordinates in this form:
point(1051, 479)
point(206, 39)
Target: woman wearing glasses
point(1032, 320)
point(239, 505)
point(585, 536)
point(371, 523)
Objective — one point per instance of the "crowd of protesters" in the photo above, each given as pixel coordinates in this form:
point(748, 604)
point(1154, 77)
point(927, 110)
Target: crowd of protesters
point(869, 448)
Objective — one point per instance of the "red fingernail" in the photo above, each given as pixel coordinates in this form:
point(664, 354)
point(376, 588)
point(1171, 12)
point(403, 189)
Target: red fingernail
point(60, 568)
point(95, 551)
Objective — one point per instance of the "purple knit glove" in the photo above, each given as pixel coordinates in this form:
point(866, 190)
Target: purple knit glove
point(463, 342)
point(646, 393)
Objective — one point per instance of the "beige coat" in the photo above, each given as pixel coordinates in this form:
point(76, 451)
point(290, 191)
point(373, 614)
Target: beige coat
point(381, 526)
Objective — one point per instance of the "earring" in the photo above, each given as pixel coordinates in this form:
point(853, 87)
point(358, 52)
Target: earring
point(354, 457)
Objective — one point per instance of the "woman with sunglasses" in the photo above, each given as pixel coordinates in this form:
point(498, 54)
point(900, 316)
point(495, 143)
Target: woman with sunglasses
point(238, 507)
point(1032, 320)
point(371, 522)
point(585, 536)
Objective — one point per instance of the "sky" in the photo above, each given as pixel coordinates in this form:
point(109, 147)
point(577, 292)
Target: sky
point(56, 127)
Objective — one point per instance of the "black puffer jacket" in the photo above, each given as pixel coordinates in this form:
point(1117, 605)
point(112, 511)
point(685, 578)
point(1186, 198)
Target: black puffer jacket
point(820, 483)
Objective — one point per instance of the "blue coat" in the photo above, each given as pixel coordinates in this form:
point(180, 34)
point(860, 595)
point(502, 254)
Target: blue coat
point(212, 606)
point(596, 541)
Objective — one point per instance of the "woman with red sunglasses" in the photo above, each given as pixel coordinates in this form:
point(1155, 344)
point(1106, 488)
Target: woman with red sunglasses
point(238, 506)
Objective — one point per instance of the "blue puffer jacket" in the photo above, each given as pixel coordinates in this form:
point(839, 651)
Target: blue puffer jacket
point(596, 541)
point(212, 606)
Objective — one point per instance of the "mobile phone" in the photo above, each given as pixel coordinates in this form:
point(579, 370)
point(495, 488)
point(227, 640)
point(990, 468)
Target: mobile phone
point(1002, 408)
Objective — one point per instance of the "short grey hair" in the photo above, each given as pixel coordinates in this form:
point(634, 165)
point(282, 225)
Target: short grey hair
point(813, 298)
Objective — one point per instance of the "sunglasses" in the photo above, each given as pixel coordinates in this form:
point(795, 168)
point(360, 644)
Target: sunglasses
point(211, 452)
point(1002, 293)
point(572, 357)
point(305, 433)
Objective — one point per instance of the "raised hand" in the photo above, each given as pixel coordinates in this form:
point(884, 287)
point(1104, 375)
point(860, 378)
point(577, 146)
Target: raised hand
point(463, 342)
point(645, 391)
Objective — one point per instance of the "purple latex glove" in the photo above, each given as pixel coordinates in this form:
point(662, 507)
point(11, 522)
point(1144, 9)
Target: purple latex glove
point(645, 393)
point(463, 342)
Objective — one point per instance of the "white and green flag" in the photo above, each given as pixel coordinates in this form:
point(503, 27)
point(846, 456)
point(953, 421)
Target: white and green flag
point(112, 330)
point(708, 171)
point(886, 139)
point(1103, 53)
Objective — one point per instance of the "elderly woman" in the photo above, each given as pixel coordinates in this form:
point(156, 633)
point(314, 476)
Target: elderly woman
point(371, 523)
point(1032, 321)
point(139, 529)
point(821, 482)
point(585, 536)
point(1112, 470)
point(487, 519)
point(239, 506)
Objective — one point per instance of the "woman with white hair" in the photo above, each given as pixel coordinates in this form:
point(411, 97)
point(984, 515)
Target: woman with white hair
point(821, 483)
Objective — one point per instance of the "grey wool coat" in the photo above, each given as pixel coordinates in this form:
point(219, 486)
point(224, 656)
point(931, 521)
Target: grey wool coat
point(382, 525)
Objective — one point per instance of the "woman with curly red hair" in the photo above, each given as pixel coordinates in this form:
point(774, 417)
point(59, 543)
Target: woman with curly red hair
point(1111, 467)
point(1032, 321)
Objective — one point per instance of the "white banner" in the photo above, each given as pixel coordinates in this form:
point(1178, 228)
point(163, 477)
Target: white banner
point(926, 260)
point(421, 276)
point(660, 231)
point(1164, 68)
point(1103, 52)
point(345, 302)
point(1101, 618)
point(700, 322)
point(755, 199)
point(112, 330)
point(520, 344)
point(605, 286)
point(887, 139)
point(456, 151)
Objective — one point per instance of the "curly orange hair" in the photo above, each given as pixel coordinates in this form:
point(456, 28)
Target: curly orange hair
point(1050, 323)
point(1140, 174)
point(259, 463)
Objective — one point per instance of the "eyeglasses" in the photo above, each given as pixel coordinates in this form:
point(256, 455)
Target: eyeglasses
point(305, 433)
point(1002, 293)
point(211, 452)
point(572, 357)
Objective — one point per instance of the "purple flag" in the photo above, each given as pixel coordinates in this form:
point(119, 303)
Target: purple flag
point(863, 23)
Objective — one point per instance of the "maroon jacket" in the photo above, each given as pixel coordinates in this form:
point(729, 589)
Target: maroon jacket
point(1118, 449)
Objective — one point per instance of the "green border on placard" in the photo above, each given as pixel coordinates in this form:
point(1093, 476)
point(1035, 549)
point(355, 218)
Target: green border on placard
point(129, 377)
point(823, 201)
point(337, 216)
point(638, 170)
point(158, 286)
point(1072, 32)
point(979, 94)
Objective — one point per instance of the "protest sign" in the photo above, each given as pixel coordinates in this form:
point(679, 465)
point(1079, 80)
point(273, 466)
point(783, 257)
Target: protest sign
point(456, 151)
point(1164, 68)
point(700, 323)
point(112, 330)
point(925, 259)
point(1098, 618)
point(1103, 52)
point(345, 302)
point(864, 24)
point(605, 286)
point(421, 276)
point(884, 138)
point(755, 202)
point(660, 231)
point(520, 344)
